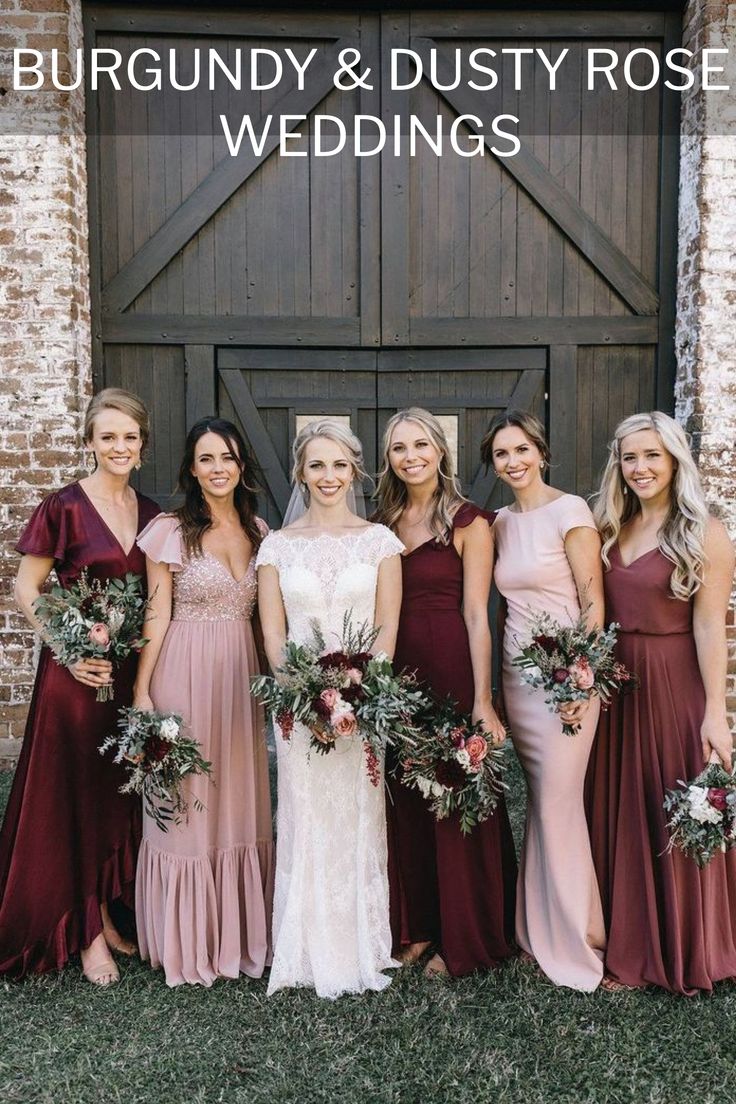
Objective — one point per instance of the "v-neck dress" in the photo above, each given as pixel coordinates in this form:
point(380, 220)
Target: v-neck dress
point(204, 889)
point(454, 891)
point(669, 923)
point(69, 839)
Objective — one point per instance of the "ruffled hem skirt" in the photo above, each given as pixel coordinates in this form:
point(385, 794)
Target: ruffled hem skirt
point(200, 918)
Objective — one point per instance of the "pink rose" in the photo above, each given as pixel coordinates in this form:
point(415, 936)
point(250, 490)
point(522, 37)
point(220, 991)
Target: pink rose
point(345, 724)
point(477, 749)
point(99, 634)
point(355, 676)
point(581, 673)
point(329, 697)
point(717, 798)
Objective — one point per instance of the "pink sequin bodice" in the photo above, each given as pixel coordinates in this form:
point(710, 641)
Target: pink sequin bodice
point(204, 590)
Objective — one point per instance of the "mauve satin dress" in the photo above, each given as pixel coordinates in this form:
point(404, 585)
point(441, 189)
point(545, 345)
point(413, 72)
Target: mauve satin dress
point(69, 839)
point(559, 919)
point(669, 923)
point(453, 890)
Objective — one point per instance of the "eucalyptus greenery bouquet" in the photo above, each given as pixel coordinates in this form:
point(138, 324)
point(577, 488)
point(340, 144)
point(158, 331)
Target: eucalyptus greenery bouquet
point(454, 766)
point(344, 694)
point(571, 662)
point(94, 620)
point(702, 814)
point(158, 756)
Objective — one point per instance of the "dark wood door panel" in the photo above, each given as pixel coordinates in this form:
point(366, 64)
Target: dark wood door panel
point(465, 389)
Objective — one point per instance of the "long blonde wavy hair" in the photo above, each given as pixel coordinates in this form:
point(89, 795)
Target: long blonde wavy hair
point(682, 536)
point(391, 493)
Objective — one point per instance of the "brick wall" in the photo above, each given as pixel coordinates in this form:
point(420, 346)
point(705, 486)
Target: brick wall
point(45, 374)
point(706, 307)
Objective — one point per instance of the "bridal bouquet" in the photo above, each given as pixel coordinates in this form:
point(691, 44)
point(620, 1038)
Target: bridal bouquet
point(702, 818)
point(571, 663)
point(93, 620)
point(454, 765)
point(158, 756)
point(342, 694)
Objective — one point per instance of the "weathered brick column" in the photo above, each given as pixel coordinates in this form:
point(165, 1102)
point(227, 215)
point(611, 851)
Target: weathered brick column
point(706, 308)
point(45, 375)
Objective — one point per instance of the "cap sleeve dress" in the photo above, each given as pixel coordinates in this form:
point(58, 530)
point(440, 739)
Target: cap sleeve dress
point(69, 839)
point(558, 912)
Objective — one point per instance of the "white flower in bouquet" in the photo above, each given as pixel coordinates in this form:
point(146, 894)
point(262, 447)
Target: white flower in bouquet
point(700, 807)
point(169, 729)
point(429, 788)
point(115, 621)
point(463, 758)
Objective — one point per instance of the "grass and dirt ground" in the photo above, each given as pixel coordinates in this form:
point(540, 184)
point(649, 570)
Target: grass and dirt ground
point(504, 1038)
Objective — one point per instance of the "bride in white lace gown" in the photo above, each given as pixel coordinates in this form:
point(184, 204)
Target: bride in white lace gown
point(331, 913)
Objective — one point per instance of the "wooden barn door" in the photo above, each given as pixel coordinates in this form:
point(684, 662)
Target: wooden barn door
point(274, 289)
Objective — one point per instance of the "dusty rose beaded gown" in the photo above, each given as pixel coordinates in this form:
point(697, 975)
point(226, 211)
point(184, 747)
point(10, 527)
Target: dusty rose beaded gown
point(204, 888)
point(558, 909)
point(69, 838)
point(669, 923)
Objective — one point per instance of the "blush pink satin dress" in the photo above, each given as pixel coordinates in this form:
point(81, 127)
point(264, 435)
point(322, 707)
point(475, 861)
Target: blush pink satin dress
point(559, 919)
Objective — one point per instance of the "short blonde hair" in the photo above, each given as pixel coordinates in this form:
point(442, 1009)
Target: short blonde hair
point(115, 398)
point(331, 430)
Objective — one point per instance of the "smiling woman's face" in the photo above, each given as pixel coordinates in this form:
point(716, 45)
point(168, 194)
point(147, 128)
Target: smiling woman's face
point(216, 467)
point(327, 471)
point(516, 459)
point(646, 465)
point(413, 456)
point(116, 441)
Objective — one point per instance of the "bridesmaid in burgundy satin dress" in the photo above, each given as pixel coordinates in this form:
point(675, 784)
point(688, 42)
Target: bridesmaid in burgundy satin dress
point(670, 924)
point(449, 892)
point(69, 840)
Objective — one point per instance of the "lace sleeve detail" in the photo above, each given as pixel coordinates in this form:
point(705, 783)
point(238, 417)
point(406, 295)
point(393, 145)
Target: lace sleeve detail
point(269, 552)
point(384, 544)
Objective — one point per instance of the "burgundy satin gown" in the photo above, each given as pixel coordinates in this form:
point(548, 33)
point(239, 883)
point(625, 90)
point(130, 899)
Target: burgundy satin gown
point(669, 923)
point(69, 839)
point(455, 891)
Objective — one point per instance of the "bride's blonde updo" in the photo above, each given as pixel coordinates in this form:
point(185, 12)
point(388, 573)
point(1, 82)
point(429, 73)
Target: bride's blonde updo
point(682, 537)
point(332, 430)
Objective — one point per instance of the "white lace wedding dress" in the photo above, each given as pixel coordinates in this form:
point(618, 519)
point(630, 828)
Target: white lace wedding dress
point(331, 914)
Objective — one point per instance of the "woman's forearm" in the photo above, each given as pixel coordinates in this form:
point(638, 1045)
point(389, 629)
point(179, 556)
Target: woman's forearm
point(149, 655)
point(479, 639)
point(712, 652)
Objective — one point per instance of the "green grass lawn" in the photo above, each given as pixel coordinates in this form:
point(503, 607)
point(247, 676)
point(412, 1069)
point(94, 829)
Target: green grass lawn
point(506, 1037)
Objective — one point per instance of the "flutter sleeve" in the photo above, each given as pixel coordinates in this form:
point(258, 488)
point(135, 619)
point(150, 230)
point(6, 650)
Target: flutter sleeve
point(574, 513)
point(268, 553)
point(467, 514)
point(385, 543)
point(161, 541)
point(46, 532)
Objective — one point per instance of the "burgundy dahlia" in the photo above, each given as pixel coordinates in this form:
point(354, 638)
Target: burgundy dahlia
point(450, 774)
point(560, 674)
point(156, 748)
point(548, 644)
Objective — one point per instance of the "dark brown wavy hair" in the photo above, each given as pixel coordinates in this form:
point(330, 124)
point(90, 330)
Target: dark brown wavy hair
point(194, 514)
